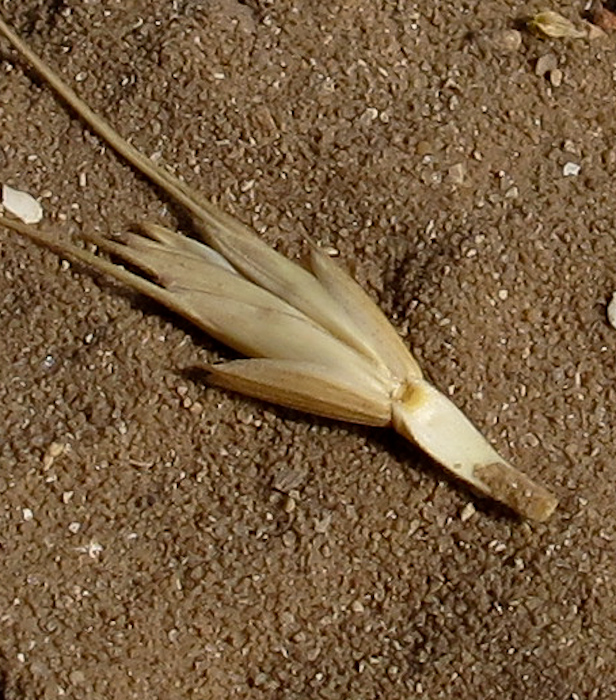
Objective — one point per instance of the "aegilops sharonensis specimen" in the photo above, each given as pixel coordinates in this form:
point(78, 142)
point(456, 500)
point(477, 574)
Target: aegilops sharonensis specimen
point(317, 341)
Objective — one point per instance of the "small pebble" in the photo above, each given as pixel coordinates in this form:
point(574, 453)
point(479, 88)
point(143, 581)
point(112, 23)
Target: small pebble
point(289, 538)
point(508, 40)
point(545, 65)
point(197, 408)
point(357, 606)
point(556, 77)
point(456, 174)
point(55, 450)
point(289, 504)
point(369, 115)
point(501, 41)
point(424, 148)
point(76, 677)
point(467, 512)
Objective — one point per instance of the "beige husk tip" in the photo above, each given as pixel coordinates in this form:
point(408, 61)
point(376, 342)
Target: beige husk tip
point(313, 338)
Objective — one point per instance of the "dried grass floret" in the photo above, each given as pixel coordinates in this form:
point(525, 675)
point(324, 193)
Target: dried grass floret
point(552, 25)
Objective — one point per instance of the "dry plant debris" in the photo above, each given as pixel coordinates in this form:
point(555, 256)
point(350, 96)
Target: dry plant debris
point(316, 341)
point(552, 25)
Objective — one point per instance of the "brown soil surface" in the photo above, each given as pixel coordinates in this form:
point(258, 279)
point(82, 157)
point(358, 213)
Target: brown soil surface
point(190, 543)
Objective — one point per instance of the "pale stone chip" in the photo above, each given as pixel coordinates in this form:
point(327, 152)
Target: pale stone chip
point(467, 512)
point(22, 205)
point(611, 311)
point(571, 169)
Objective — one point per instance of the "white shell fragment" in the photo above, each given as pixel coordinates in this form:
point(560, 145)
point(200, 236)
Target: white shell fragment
point(571, 169)
point(611, 311)
point(22, 205)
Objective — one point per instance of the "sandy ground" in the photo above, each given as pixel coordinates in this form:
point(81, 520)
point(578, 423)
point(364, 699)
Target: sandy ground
point(163, 539)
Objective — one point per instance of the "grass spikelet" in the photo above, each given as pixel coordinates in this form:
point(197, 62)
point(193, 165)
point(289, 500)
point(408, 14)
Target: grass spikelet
point(315, 340)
